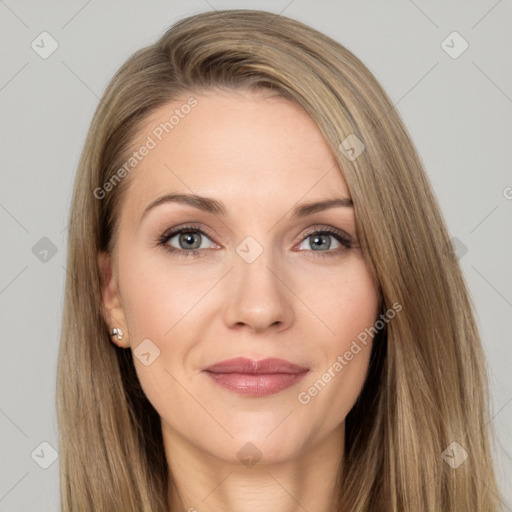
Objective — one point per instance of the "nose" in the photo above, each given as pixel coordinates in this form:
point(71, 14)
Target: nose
point(257, 295)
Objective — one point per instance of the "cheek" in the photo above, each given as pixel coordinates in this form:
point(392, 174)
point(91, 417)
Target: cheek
point(358, 307)
point(346, 300)
point(350, 308)
point(155, 300)
point(156, 305)
point(163, 311)
point(357, 313)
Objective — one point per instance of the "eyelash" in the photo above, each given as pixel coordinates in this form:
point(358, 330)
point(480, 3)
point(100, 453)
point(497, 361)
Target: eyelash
point(340, 236)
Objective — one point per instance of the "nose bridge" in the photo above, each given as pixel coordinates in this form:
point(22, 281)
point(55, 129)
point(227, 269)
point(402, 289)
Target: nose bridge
point(256, 294)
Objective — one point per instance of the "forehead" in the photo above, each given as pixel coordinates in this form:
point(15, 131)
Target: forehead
point(242, 147)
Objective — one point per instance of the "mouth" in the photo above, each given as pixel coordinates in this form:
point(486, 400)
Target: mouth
point(255, 378)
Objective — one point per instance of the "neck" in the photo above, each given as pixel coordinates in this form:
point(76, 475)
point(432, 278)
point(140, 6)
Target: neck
point(204, 483)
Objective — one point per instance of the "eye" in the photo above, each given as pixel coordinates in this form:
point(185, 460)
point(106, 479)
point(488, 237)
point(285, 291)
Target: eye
point(191, 241)
point(188, 241)
point(320, 242)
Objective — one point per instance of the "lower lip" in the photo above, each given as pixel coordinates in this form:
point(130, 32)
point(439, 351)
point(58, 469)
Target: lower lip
point(262, 384)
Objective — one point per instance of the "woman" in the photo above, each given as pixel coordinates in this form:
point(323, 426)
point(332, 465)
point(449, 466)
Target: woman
point(211, 358)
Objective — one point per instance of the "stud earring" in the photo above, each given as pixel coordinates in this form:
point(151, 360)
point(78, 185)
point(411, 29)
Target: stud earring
point(117, 331)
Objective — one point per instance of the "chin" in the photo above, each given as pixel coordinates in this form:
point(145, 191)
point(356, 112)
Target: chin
point(255, 447)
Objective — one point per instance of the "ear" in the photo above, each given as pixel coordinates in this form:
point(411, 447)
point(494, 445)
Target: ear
point(111, 301)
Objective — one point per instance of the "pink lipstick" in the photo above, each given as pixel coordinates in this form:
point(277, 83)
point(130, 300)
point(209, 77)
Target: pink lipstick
point(255, 378)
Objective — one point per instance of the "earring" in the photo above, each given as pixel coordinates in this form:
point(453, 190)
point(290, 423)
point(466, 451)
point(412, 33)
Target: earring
point(117, 331)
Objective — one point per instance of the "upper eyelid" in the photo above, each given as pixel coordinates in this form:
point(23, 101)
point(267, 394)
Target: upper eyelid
point(171, 233)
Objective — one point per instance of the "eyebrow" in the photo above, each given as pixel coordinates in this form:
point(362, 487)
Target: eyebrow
point(210, 205)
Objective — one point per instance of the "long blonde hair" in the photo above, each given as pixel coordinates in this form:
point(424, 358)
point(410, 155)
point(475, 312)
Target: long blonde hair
point(427, 384)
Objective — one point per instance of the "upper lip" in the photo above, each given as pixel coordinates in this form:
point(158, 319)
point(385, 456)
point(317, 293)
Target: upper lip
point(251, 366)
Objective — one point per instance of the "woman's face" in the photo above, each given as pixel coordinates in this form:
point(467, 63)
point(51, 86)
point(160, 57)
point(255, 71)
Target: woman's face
point(253, 275)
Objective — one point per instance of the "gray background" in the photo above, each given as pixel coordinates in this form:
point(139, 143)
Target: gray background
point(457, 110)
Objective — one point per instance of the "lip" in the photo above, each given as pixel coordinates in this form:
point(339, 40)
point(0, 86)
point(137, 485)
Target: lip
point(255, 378)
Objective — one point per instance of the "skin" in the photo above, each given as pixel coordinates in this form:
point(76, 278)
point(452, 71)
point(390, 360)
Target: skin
point(261, 156)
